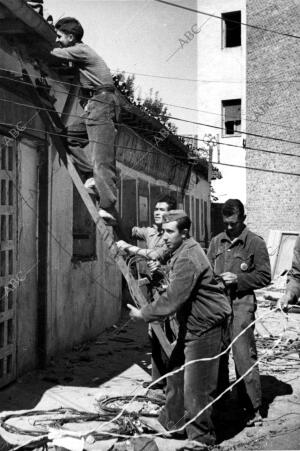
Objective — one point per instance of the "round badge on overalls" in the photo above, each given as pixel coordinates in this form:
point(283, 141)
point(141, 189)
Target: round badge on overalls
point(244, 266)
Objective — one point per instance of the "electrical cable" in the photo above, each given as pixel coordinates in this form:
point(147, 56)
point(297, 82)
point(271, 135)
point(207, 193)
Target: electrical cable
point(257, 27)
point(145, 129)
point(217, 142)
point(177, 160)
point(172, 117)
point(47, 227)
point(199, 80)
point(196, 361)
point(104, 404)
point(169, 104)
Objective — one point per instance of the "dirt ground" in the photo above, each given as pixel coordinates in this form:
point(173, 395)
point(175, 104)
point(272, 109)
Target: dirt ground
point(118, 363)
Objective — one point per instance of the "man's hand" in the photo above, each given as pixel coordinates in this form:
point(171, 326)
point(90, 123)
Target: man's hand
point(134, 312)
point(229, 278)
point(122, 245)
point(153, 265)
point(284, 301)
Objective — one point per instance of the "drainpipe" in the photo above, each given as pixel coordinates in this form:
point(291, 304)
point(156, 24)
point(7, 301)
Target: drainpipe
point(43, 234)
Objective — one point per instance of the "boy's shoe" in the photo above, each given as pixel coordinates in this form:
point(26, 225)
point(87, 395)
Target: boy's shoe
point(90, 186)
point(107, 217)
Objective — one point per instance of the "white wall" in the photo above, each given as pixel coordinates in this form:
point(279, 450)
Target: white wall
point(221, 72)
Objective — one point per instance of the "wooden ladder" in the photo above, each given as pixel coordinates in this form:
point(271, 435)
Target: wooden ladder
point(55, 126)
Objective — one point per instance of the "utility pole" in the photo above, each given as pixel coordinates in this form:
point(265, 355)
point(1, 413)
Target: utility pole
point(210, 142)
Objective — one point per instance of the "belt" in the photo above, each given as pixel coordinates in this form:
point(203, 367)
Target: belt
point(88, 93)
point(103, 89)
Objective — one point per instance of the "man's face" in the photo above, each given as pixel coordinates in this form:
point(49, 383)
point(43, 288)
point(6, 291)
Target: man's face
point(233, 225)
point(65, 40)
point(159, 209)
point(172, 237)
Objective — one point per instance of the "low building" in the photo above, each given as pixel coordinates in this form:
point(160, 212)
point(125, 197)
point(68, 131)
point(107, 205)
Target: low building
point(58, 284)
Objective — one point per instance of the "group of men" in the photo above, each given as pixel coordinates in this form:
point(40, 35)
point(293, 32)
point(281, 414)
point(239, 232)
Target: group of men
point(213, 298)
point(211, 295)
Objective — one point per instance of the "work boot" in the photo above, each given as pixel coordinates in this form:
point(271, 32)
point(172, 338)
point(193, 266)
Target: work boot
point(255, 419)
point(154, 425)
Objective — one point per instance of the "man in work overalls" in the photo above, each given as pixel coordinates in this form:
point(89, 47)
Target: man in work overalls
point(241, 259)
point(202, 310)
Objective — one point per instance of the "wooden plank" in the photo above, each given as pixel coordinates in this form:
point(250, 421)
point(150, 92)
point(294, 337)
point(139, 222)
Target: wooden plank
point(110, 243)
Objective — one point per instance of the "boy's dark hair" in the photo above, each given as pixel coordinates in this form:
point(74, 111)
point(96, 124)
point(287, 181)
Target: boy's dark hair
point(168, 199)
point(232, 207)
point(70, 25)
point(184, 223)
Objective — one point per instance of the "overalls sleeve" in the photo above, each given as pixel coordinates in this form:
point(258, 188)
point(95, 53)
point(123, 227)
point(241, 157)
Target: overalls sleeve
point(260, 276)
point(183, 278)
point(211, 253)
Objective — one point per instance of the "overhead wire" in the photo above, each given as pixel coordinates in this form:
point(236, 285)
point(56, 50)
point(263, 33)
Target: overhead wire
point(257, 27)
point(77, 116)
point(161, 115)
point(158, 115)
point(220, 143)
point(177, 159)
point(47, 227)
point(199, 80)
point(168, 104)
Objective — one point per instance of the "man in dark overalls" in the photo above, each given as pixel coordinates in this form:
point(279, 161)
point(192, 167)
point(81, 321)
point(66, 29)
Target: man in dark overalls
point(97, 122)
point(202, 310)
point(241, 259)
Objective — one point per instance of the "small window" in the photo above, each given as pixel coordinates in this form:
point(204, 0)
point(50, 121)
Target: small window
point(231, 116)
point(84, 231)
point(231, 29)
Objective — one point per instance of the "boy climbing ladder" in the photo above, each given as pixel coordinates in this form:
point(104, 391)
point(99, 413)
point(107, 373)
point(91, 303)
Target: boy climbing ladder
point(100, 109)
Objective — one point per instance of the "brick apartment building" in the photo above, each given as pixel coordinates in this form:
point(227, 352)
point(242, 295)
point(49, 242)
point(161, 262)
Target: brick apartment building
point(273, 94)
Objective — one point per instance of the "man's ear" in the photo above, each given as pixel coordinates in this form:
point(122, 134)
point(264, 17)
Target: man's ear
point(71, 37)
point(185, 233)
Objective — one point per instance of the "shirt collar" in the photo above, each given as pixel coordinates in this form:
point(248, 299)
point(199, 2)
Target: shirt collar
point(155, 231)
point(189, 242)
point(242, 237)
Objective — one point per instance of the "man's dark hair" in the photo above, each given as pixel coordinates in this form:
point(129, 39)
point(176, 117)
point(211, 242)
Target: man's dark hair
point(184, 223)
point(232, 207)
point(70, 25)
point(168, 199)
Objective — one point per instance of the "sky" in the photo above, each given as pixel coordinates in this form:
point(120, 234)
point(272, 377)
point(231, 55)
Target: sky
point(140, 36)
point(143, 37)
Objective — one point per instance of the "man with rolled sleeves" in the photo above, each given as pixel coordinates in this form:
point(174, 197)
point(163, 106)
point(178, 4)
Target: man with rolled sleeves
point(241, 259)
point(155, 250)
point(202, 309)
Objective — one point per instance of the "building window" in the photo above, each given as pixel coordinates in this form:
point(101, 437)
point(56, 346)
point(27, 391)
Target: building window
point(231, 29)
point(84, 231)
point(231, 117)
